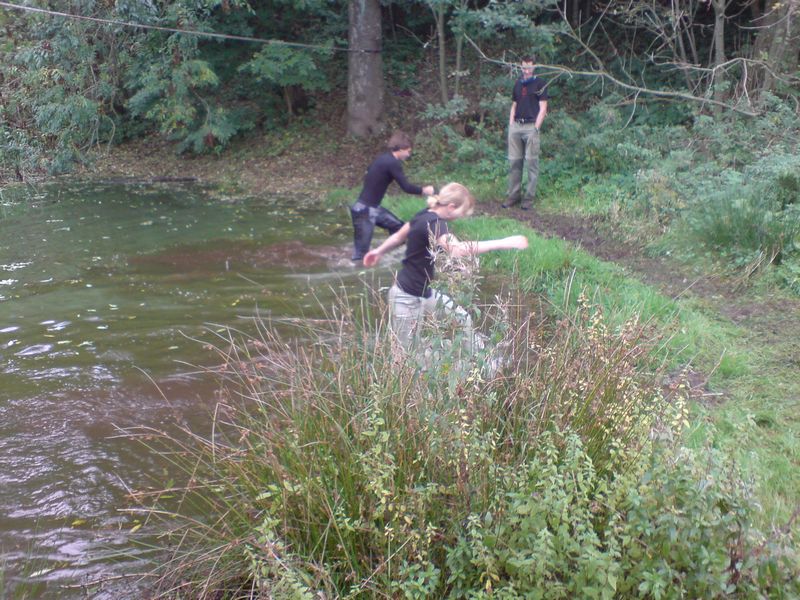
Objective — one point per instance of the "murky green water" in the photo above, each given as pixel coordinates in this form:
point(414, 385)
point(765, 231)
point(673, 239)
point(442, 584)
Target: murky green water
point(102, 291)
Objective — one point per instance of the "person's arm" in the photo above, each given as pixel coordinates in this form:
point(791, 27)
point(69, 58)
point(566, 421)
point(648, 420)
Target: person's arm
point(453, 246)
point(512, 113)
point(408, 187)
point(542, 114)
point(398, 238)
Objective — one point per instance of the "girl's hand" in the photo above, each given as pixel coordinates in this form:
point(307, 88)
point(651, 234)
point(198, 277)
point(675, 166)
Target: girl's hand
point(519, 242)
point(371, 258)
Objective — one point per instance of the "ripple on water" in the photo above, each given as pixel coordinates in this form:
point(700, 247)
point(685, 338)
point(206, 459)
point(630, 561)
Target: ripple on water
point(14, 266)
point(59, 326)
point(35, 349)
point(10, 329)
point(63, 374)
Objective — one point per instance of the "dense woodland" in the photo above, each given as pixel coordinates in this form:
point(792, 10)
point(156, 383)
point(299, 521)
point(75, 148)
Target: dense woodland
point(69, 85)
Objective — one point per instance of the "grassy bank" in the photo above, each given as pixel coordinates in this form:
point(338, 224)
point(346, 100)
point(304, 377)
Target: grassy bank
point(746, 390)
point(752, 388)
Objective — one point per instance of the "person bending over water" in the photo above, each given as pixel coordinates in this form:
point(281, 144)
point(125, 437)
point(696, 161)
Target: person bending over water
point(411, 297)
point(367, 211)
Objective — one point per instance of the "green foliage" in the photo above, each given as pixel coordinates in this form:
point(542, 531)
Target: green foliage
point(742, 227)
point(513, 20)
point(219, 126)
point(401, 70)
point(19, 153)
point(789, 272)
point(284, 66)
point(70, 85)
point(456, 107)
point(678, 527)
point(478, 154)
point(351, 472)
point(56, 98)
point(168, 95)
point(753, 218)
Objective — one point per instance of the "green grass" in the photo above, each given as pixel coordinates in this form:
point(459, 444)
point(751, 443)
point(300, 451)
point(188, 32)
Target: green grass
point(338, 197)
point(740, 368)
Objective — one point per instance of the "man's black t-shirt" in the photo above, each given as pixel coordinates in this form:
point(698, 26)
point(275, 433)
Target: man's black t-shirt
point(527, 95)
point(383, 170)
point(417, 271)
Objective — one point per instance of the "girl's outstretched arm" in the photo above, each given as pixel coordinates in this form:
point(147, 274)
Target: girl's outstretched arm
point(455, 247)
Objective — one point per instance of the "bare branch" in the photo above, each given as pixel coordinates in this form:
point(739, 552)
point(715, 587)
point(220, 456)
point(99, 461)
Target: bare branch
point(604, 75)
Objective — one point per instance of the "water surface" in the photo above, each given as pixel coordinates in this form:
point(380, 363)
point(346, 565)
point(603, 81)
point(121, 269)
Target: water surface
point(104, 294)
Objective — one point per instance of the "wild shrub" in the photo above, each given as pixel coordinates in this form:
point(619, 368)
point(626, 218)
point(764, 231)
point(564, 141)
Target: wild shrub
point(19, 152)
point(479, 159)
point(58, 91)
point(754, 220)
point(338, 467)
point(678, 526)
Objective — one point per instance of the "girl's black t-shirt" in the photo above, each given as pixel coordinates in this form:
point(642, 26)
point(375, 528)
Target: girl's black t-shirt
point(418, 268)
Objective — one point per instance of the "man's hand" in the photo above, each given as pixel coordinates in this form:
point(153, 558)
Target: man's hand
point(371, 258)
point(428, 190)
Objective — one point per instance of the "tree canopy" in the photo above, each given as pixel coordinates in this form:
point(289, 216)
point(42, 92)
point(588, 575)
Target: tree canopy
point(200, 72)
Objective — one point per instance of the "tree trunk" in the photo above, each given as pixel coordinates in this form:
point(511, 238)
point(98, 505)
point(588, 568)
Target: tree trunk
point(778, 43)
point(364, 69)
point(438, 17)
point(719, 49)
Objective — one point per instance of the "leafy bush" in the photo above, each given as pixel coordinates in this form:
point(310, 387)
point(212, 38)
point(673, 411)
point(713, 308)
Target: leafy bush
point(676, 527)
point(285, 68)
point(19, 152)
point(57, 100)
point(755, 219)
point(343, 469)
point(474, 159)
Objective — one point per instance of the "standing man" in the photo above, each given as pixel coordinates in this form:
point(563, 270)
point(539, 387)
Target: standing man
point(367, 211)
point(528, 110)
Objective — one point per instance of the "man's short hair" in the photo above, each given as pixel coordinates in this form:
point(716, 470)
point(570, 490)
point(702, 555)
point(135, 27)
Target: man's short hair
point(400, 140)
point(528, 59)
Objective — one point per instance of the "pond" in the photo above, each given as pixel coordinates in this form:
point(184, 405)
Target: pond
point(106, 295)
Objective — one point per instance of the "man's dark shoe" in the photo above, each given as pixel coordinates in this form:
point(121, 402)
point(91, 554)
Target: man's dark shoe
point(526, 204)
point(509, 203)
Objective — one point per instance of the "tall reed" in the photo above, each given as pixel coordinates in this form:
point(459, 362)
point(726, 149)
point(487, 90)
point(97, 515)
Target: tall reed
point(338, 464)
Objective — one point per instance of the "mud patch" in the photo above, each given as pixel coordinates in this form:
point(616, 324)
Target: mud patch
point(291, 255)
point(692, 385)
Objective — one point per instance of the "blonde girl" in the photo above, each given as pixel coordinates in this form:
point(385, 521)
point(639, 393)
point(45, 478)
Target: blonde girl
point(411, 297)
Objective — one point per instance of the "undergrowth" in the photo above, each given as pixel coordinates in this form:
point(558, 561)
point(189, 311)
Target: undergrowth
point(340, 468)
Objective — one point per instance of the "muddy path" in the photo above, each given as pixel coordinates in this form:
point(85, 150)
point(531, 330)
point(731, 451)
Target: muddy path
point(728, 296)
point(769, 322)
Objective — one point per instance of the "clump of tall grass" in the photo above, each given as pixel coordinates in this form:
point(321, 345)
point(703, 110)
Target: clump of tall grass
point(340, 468)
